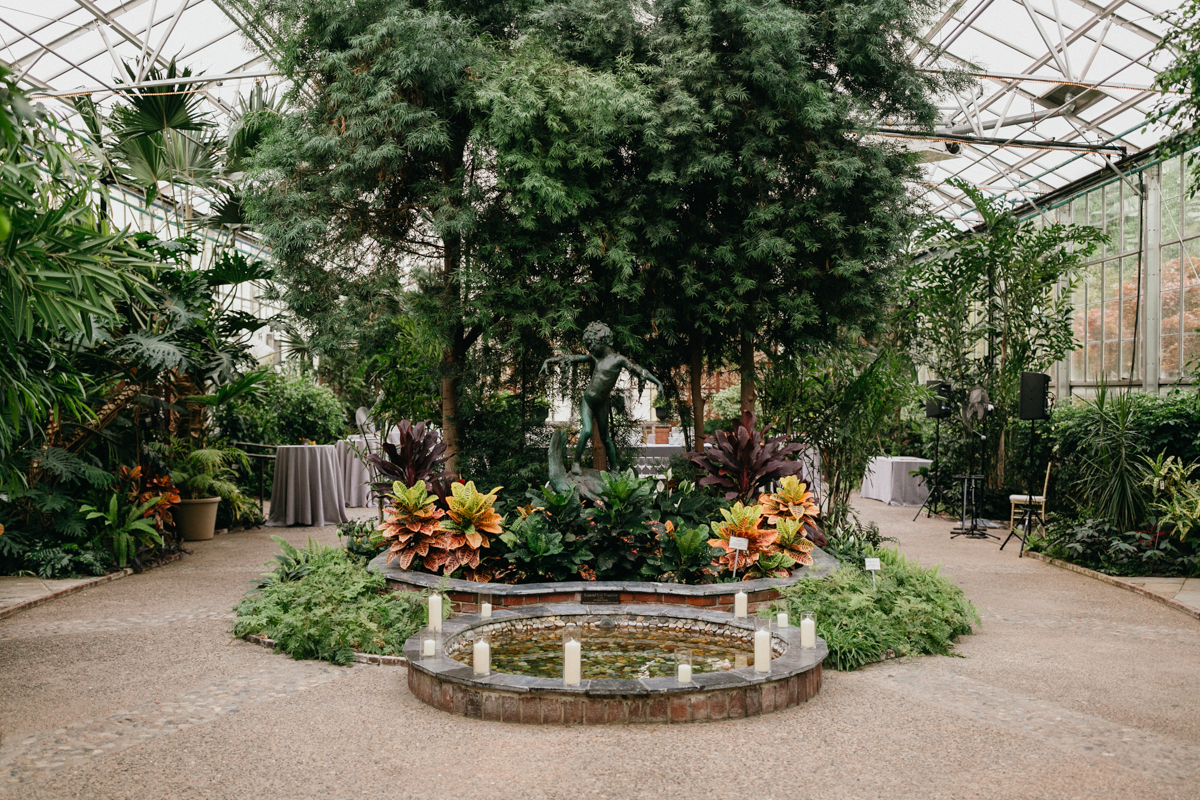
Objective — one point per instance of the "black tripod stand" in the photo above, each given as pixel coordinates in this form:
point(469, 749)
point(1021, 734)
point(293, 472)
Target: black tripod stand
point(935, 491)
point(1031, 512)
point(970, 481)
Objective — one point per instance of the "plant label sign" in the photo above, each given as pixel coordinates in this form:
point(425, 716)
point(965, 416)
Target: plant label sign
point(739, 543)
point(873, 565)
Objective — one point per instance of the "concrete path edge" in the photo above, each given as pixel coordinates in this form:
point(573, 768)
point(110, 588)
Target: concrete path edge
point(359, 658)
point(1109, 579)
point(97, 581)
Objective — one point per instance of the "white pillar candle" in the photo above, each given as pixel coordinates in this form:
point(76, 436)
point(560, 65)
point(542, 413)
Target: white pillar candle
point(428, 646)
point(482, 657)
point(782, 619)
point(485, 610)
point(572, 663)
point(808, 633)
point(684, 673)
point(739, 604)
point(435, 611)
point(762, 651)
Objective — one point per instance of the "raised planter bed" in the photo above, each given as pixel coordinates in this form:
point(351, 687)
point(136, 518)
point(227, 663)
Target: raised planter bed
point(465, 595)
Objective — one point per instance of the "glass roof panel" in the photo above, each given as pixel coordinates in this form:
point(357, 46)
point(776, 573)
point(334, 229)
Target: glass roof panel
point(1049, 73)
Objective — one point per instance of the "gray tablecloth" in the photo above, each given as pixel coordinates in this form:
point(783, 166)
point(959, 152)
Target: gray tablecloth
point(357, 474)
point(308, 486)
point(888, 479)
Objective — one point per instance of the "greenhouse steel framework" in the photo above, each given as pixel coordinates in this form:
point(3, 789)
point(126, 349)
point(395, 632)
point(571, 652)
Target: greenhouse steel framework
point(1060, 119)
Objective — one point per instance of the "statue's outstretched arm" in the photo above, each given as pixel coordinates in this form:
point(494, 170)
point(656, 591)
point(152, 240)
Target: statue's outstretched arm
point(643, 374)
point(567, 358)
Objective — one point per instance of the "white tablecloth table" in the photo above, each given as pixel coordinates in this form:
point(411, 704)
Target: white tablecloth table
point(308, 486)
point(357, 474)
point(888, 479)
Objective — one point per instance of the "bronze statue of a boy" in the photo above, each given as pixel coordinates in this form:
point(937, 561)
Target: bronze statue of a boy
point(606, 368)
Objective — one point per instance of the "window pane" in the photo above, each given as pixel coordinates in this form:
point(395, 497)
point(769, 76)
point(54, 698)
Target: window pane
point(1191, 216)
point(1191, 310)
point(1190, 268)
point(1095, 210)
point(1191, 354)
point(1112, 361)
point(1170, 177)
point(1079, 211)
point(1112, 278)
point(1093, 370)
point(1169, 259)
point(1170, 313)
point(1169, 354)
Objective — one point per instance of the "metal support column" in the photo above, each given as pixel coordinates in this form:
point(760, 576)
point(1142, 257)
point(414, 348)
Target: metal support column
point(1152, 293)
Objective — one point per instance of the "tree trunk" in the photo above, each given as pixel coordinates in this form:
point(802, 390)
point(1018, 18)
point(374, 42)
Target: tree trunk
point(747, 374)
point(696, 377)
point(450, 408)
point(599, 456)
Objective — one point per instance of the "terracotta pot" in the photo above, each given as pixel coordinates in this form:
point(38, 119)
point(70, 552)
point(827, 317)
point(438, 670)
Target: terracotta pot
point(197, 519)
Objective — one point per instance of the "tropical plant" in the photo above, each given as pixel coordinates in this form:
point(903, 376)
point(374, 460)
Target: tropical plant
point(472, 520)
point(742, 462)
point(540, 551)
point(332, 611)
point(850, 541)
point(419, 455)
point(771, 565)
point(997, 302)
point(680, 502)
point(413, 528)
point(124, 528)
point(1179, 104)
point(792, 542)
point(1098, 544)
point(793, 501)
point(684, 556)
point(1111, 467)
point(199, 472)
point(160, 487)
point(745, 522)
point(1174, 498)
point(619, 531)
point(361, 538)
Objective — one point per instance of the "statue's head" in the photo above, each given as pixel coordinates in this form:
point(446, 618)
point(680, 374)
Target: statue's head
point(597, 334)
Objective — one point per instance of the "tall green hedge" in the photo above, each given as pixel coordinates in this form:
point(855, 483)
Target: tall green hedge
point(288, 408)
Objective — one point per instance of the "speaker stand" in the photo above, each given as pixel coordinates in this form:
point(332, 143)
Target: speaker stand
point(934, 494)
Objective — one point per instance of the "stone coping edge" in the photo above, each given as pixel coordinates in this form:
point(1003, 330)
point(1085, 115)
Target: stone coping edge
point(79, 587)
point(793, 661)
point(1113, 581)
point(359, 658)
point(823, 564)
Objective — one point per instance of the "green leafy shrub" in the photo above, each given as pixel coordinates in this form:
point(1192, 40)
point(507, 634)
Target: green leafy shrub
point(320, 603)
point(361, 538)
point(1098, 544)
point(909, 610)
point(287, 407)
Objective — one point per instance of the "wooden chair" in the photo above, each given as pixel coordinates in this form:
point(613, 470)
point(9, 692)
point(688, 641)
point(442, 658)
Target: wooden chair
point(1022, 500)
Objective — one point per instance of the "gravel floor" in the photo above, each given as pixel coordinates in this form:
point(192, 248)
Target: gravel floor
point(1071, 689)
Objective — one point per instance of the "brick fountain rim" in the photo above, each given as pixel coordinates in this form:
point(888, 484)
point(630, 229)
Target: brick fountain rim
point(452, 686)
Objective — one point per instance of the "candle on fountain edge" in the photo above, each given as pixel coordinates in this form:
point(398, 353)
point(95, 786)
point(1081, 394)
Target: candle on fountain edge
point(739, 604)
point(428, 646)
point(684, 673)
point(572, 662)
point(485, 610)
point(762, 650)
point(482, 657)
point(808, 632)
point(782, 619)
point(740, 661)
point(435, 612)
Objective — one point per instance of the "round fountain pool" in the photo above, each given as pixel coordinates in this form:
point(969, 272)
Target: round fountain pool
point(628, 667)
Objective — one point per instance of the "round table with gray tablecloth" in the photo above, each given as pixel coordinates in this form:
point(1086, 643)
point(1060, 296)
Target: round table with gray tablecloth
point(308, 486)
point(357, 474)
point(888, 479)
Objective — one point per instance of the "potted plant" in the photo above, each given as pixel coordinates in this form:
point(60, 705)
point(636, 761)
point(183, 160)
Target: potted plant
point(203, 476)
point(662, 407)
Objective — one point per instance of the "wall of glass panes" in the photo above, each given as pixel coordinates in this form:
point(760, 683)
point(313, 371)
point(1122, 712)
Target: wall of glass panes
point(1107, 321)
point(1179, 257)
point(1143, 286)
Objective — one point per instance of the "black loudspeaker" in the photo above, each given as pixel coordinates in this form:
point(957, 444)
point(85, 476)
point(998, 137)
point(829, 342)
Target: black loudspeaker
point(938, 407)
point(1034, 386)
